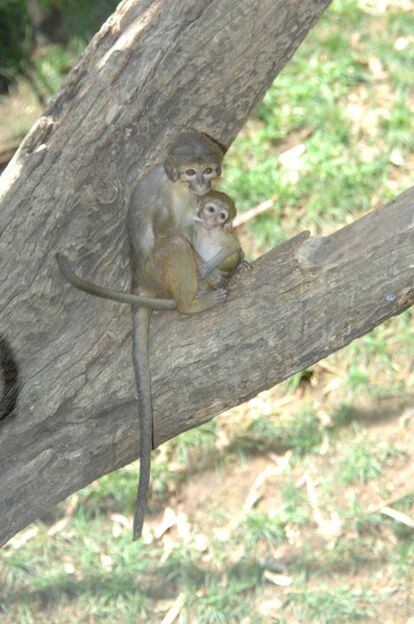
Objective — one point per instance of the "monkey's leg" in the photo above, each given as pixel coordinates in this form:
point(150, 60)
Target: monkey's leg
point(216, 279)
point(218, 259)
point(175, 262)
point(108, 293)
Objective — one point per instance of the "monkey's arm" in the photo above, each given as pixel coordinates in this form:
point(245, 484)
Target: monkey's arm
point(107, 293)
point(209, 265)
point(215, 277)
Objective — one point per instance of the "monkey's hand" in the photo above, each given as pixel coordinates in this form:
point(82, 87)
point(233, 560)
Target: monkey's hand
point(219, 295)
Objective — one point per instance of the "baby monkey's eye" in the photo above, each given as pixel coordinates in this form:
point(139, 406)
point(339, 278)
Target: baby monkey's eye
point(223, 216)
point(190, 172)
point(208, 170)
point(210, 208)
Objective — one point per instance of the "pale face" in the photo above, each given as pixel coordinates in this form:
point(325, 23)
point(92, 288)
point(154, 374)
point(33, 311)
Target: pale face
point(199, 177)
point(213, 214)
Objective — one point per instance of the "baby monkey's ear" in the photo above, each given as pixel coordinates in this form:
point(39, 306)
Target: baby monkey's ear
point(228, 226)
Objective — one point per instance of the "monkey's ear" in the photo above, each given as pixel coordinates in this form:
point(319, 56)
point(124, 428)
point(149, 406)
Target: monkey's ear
point(171, 172)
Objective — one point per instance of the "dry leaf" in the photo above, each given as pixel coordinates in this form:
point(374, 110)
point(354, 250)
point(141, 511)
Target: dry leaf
point(57, 527)
point(270, 607)
point(282, 580)
point(169, 520)
point(175, 610)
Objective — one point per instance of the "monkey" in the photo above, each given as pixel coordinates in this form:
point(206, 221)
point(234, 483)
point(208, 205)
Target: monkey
point(164, 267)
point(163, 262)
point(213, 238)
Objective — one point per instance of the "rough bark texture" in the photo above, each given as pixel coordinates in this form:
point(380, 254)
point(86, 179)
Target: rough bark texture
point(156, 66)
point(303, 300)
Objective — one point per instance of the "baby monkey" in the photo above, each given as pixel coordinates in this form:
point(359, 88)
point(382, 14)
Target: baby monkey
point(214, 240)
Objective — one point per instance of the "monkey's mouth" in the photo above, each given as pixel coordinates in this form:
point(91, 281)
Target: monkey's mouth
point(199, 192)
point(206, 226)
point(199, 186)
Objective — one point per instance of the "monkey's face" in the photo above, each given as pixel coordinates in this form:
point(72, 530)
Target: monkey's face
point(198, 176)
point(213, 214)
point(194, 160)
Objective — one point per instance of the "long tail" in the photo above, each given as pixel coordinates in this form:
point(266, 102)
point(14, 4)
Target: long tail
point(108, 293)
point(140, 331)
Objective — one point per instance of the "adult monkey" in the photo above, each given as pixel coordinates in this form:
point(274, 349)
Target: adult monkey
point(164, 267)
point(163, 263)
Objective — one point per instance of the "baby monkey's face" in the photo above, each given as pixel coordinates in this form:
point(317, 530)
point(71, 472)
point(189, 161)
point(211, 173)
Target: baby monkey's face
point(215, 210)
point(212, 214)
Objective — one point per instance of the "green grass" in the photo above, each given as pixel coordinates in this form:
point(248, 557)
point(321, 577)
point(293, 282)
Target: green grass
point(294, 509)
point(302, 432)
point(327, 606)
point(403, 560)
point(52, 66)
point(202, 438)
point(312, 95)
point(221, 605)
point(263, 526)
point(364, 460)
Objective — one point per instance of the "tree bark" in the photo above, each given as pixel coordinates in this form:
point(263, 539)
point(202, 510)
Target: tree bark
point(156, 67)
point(302, 301)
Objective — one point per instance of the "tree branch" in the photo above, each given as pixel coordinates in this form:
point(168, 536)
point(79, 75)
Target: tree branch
point(302, 301)
point(156, 66)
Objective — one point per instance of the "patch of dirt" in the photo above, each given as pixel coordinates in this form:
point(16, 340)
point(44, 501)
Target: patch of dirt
point(332, 552)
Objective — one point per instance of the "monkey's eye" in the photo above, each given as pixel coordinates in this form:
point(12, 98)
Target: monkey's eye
point(190, 172)
point(208, 170)
point(223, 216)
point(210, 208)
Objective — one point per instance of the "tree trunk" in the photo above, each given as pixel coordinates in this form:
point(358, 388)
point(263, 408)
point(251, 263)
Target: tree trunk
point(156, 67)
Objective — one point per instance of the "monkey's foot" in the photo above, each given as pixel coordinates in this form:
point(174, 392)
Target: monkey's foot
point(244, 266)
point(219, 295)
